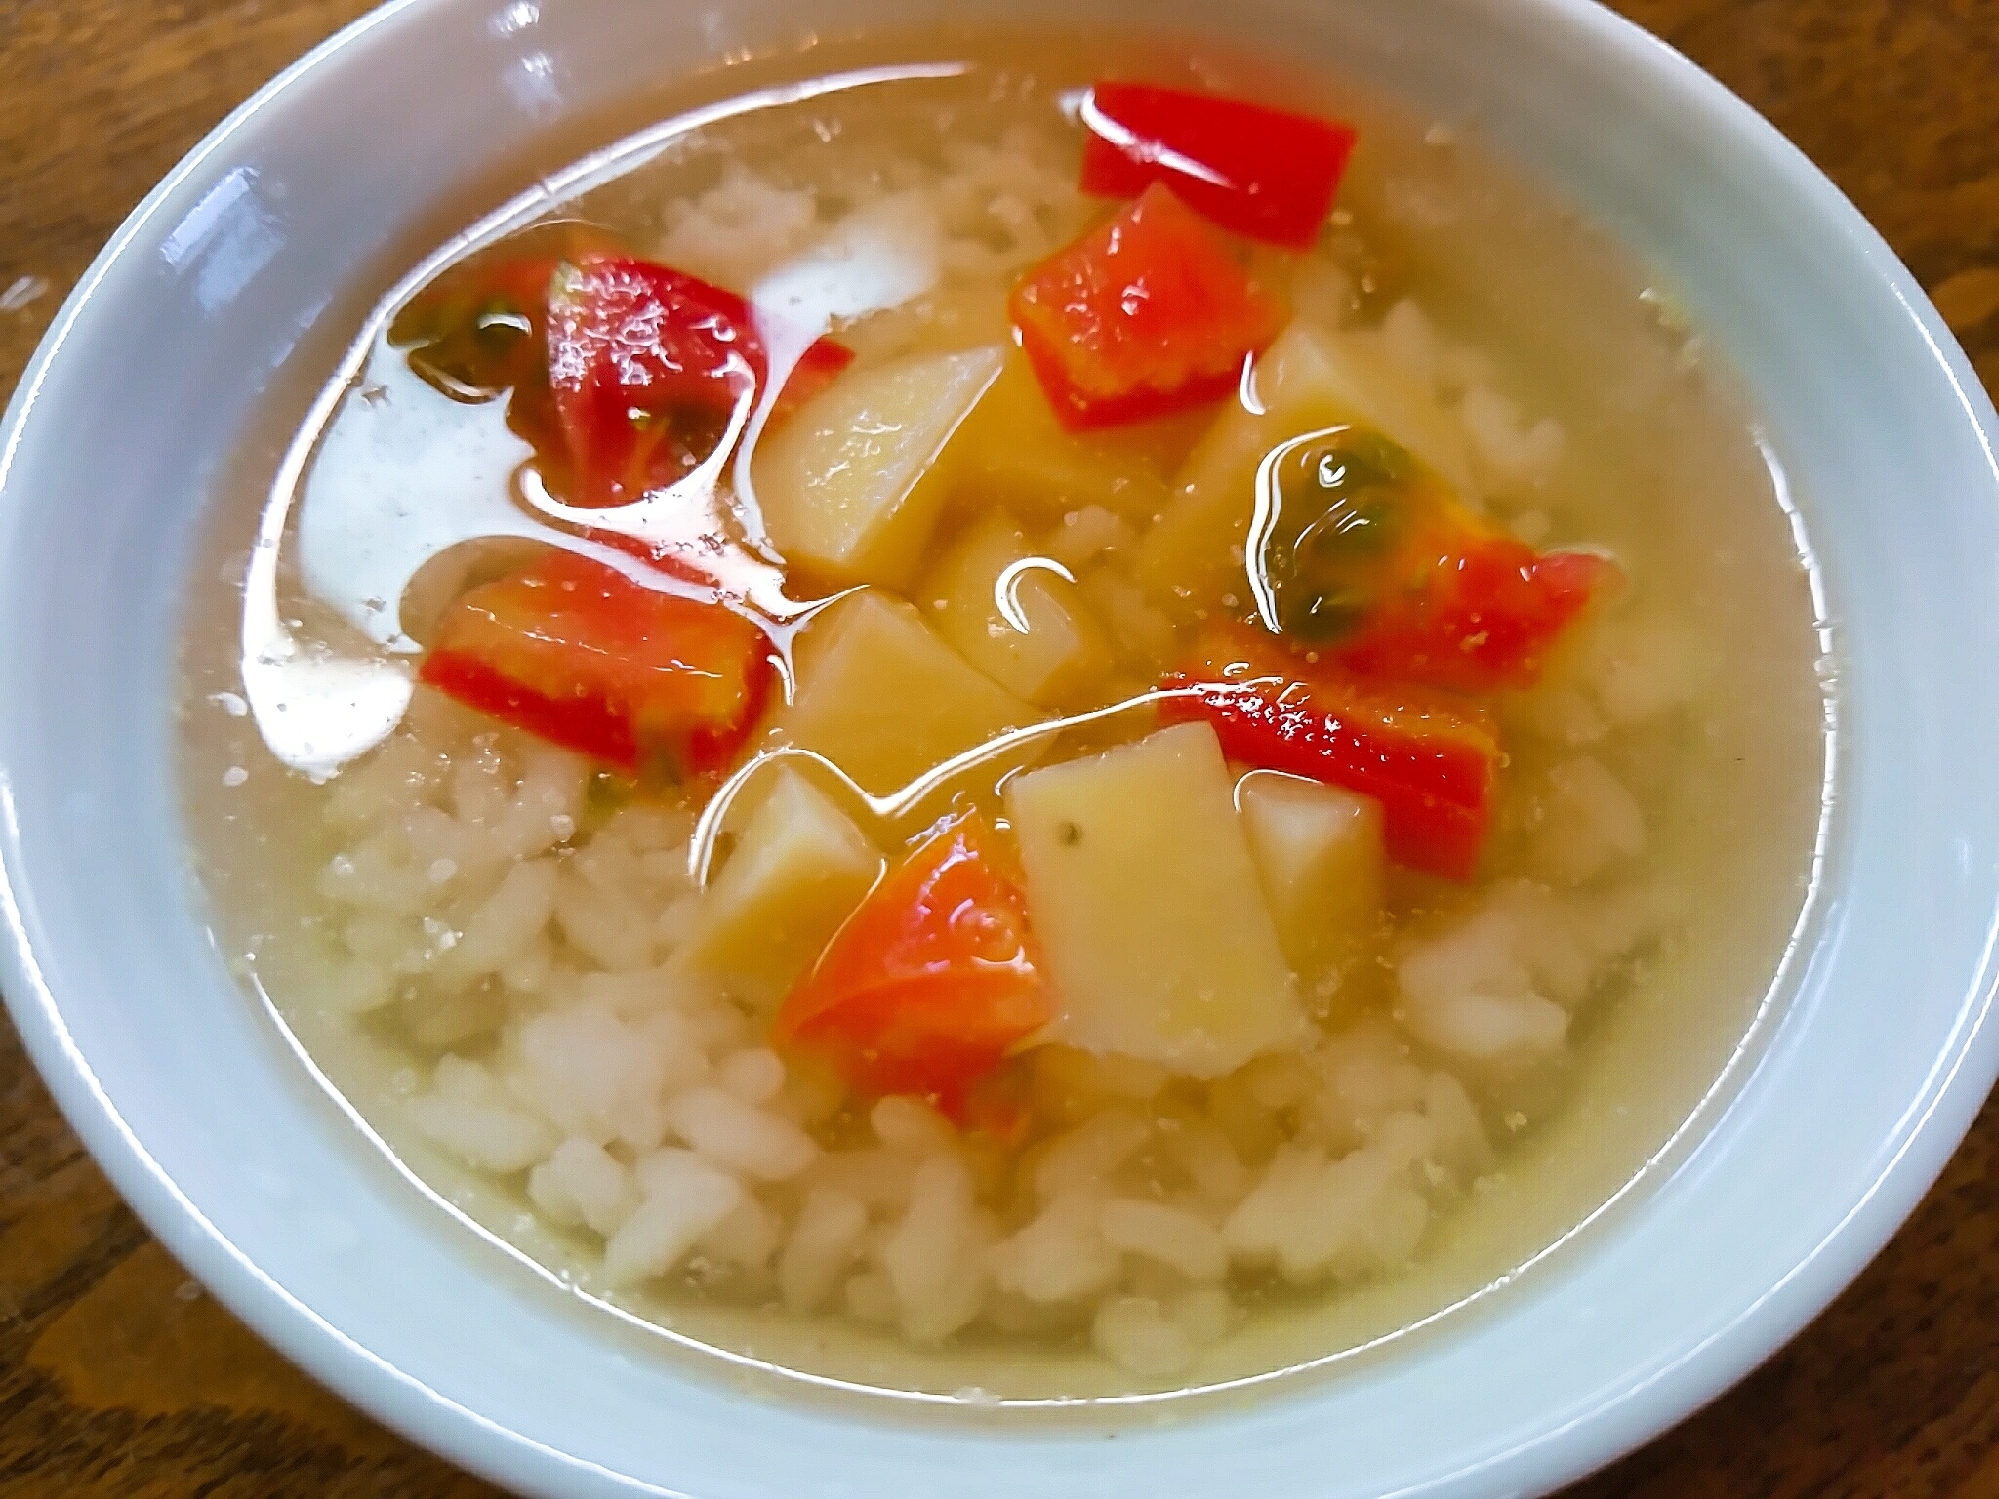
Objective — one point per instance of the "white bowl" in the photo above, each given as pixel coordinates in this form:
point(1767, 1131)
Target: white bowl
point(187, 1095)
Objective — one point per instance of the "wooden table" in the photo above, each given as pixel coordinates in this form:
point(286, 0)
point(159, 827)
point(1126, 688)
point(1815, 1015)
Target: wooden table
point(120, 1377)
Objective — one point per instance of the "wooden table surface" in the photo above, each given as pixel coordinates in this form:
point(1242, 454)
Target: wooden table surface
point(120, 1377)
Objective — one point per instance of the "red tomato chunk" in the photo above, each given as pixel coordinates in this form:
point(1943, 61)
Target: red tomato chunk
point(1431, 761)
point(1144, 315)
point(1486, 613)
point(1263, 173)
point(933, 980)
point(576, 652)
point(647, 365)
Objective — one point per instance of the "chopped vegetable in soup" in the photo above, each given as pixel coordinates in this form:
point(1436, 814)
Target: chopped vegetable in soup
point(1430, 761)
point(575, 652)
point(1007, 731)
point(932, 979)
point(1146, 315)
point(1261, 172)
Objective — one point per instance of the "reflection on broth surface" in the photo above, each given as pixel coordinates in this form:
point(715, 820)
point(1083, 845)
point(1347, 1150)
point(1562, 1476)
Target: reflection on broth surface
point(955, 730)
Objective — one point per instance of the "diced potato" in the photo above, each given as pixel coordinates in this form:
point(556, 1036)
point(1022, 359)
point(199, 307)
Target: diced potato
point(1147, 638)
point(1082, 536)
point(1309, 380)
point(885, 699)
point(851, 485)
point(1153, 925)
point(798, 870)
point(1017, 456)
point(1388, 397)
point(1318, 852)
point(1059, 656)
point(956, 314)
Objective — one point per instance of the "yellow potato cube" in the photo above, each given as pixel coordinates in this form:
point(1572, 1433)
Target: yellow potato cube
point(885, 699)
point(799, 869)
point(850, 487)
point(1016, 455)
point(1309, 380)
point(986, 586)
point(1150, 917)
point(1318, 852)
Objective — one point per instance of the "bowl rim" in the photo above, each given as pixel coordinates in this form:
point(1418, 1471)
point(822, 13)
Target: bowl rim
point(1930, 1130)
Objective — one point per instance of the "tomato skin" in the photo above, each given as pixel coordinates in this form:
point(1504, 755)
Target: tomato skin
point(647, 363)
point(581, 336)
point(578, 654)
point(479, 328)
point(1486, 613)
point(1371, 559)
point(1263, 173)
point(933, 980)
point(1431, 761)
point(1144, 315)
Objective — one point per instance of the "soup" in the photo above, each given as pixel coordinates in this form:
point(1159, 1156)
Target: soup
point(1012, 722)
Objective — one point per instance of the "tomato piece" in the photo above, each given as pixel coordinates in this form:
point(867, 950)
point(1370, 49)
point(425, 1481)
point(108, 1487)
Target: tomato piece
point(1483, 617)
point(577, 653)
point(479, 329)
point(620, 372)
point(1372, 560)
point(648, 363)
point(1264, 173)
point(933, 980)
point(1144, 315)
point(1431, 761)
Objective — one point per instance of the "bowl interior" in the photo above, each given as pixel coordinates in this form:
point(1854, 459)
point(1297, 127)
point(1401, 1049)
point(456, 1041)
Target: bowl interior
point(233, 276)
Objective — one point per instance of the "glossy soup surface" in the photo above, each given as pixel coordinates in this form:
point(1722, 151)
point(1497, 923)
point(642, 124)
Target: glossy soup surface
point(954, 783)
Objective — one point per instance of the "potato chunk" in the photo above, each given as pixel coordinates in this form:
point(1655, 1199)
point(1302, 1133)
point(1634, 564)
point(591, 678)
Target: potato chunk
point(1155, 931)
point(885, 699)
point(1318, 852)
point(798, 870)
point(851, 485)
point(1061, 653)
point(1307, 381)
point(1017, 455)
